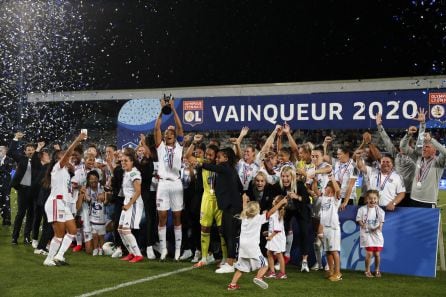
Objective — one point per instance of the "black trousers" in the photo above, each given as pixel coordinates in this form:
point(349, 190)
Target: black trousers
point(47, 232)
point(303, 222)
point(151, 225)
point(119, 202)
point(5, 203)
point(231, 231)
point(25, 205)
point(39, 211)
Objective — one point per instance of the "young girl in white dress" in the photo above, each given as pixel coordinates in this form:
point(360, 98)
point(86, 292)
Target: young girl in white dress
point(371, 219)
point(276, 240)
point(250, 257)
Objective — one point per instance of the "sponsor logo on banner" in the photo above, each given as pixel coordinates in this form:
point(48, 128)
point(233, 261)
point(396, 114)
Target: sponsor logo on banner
point(437, 104)
point(193, 112)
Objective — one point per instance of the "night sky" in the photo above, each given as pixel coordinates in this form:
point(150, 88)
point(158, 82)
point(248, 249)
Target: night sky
point(58, 45)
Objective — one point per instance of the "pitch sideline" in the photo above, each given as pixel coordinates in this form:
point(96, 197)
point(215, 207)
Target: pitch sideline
point(138, 281)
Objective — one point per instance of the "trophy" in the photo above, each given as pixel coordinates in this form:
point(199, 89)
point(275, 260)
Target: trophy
point(166, 108)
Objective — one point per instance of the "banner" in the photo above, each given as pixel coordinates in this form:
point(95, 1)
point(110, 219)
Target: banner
point(410, 241)
point(341, 110)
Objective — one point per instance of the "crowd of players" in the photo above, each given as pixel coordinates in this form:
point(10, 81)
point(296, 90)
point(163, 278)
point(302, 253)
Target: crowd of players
point(225, 202)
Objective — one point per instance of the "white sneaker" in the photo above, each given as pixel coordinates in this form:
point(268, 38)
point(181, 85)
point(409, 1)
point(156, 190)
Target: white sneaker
point(226, 268)
point(40, 252)
point(163, 254)
point(222, 262)
point(210, 259)
point(35, 243)
point(101, 252)
point(315, 267)
point(150, 253)
point(49, 262)
point(177, 254)
point(186, 255)
point(117, 253)
point(304, 267)
point(60, 260)
point(277, 266)
point(197, 257)
point(95, 252)
point(260, 282)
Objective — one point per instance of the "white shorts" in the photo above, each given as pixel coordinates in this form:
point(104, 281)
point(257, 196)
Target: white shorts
point(250, 264)
point(57, 211)
point(332, 239)
point(131, 217)
point(85, 218)
point(169, 195)
point(98, 229)
point(72, 207)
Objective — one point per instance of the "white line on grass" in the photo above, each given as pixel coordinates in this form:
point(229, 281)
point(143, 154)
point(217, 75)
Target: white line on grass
point(138, 281)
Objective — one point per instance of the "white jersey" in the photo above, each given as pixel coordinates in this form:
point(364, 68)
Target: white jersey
point(278, 242)
point(329, 212)
point(60, 183)
point(343, 172)
point(169, 160)
point(127, 184)
point(250, 236)
point(372, 217)
point(97, 208)
point(388, 186)
point(246, 172)
point(80, 180)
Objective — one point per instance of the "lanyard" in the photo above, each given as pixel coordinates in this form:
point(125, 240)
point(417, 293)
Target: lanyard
point(170, 152)
point(341, 176)
point(424, 169)
point(378, 181)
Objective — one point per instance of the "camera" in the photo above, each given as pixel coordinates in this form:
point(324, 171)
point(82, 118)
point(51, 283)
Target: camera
point(166, 108)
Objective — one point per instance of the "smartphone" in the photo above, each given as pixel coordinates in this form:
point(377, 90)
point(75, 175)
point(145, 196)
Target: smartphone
point(84, 131)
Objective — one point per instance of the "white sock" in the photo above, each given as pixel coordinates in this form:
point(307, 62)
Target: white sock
point(178, 236)
point(79, 236)
point(124, 241)
point(162, 237)
point(133, 244)
point(289, 243)
point(318, 251)
point(66, 242)
point(54, 247)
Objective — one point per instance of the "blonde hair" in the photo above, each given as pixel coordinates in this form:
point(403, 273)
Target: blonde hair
point(290, 170)
point(251, 210)
point(281, 210)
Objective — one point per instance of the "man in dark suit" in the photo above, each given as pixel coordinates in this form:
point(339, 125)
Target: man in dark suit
point(6, 166)
point(28, 167)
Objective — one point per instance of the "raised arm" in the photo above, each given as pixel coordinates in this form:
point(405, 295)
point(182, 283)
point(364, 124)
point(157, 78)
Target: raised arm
point(404, 143)
point(270, 140)
point(388, 144)
point(157, 135)
point(293, 145)
point(178, 126)
point(421, 118)
point(190, 150)
point(66, 156)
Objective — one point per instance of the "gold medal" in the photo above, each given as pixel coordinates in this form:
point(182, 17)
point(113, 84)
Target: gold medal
point(419, 184)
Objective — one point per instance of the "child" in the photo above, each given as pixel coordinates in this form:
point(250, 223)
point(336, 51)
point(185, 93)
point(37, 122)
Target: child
point(329, 228)
point(276, 240)
point(94, 195)
point(250, 257)
point(371, 218)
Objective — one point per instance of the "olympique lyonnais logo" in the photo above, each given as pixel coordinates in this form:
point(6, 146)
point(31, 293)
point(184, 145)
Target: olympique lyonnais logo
point(193, 112)
point(437, 102)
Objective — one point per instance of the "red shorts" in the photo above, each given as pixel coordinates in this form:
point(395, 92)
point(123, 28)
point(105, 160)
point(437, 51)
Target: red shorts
point(374, 248)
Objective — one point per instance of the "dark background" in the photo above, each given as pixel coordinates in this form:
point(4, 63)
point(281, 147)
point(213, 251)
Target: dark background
point(59, 45)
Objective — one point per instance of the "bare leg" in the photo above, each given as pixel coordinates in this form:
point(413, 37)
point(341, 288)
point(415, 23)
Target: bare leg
point(270, 261)
point(281, 262)
point(236, 277)
point(337, 262)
